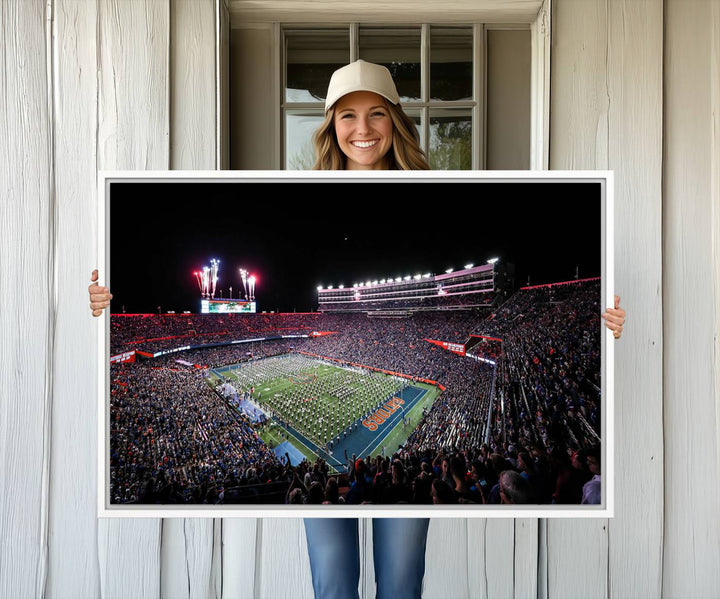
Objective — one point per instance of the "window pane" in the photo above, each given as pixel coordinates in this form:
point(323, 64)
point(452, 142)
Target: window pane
point(398, 50)
point(451, 63)
point(450, 145)
point(299, 151)
point(311, 57)
point(508, 100)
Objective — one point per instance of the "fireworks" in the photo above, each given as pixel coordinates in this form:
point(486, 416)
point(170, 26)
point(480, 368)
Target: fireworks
point(207, 282)
point(251, 285)
point(248, 282)
point(206, 279)
point(243, 277)
point(214, 266)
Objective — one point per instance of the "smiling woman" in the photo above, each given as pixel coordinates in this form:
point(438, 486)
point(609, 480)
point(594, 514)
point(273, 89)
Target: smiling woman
point(365, 128)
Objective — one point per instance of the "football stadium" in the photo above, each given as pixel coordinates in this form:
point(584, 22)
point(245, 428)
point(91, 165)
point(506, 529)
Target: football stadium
point(415, 390)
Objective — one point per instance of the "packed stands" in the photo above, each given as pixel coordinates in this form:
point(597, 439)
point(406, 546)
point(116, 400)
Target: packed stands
point(529, 403)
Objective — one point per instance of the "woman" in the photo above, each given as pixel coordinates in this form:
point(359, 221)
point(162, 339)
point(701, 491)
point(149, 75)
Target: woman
point(364, 128)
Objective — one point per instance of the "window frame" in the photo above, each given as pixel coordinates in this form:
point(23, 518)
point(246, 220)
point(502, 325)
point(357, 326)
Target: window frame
point(539, 21)
point(423, 107)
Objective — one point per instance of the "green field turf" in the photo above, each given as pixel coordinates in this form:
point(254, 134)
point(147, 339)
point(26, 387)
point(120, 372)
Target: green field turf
point(316, 387)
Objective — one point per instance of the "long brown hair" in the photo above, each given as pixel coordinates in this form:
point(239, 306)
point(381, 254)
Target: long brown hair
point(405, 154)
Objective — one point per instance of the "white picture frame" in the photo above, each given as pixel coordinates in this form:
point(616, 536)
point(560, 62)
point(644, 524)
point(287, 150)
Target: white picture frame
point(446, 203)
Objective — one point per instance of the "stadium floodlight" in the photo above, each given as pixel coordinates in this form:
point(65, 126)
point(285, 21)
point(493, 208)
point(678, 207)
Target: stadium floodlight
point(416, 277)
point(341, 286)
point(375, 282)
point(398, 279)
point(408, 277)
point(319, 288)
point(382, 281)
point(448, 271)
point(426, 275)
point(469, 265)
point(330, 287)
point(492, 260)
point(368, 283)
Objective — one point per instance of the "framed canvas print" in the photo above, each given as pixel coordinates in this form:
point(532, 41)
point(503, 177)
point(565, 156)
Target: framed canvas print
point(334, 344)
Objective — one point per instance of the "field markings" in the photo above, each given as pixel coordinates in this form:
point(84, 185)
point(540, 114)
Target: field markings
point(393, 420)
point(321, 370)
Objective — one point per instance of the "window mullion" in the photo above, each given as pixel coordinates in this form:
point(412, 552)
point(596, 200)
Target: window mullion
point(354, 41)
point(425, 85)
point(280, 60)
point(479, 85)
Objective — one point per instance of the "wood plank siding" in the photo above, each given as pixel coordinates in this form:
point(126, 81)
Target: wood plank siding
point(92, 85)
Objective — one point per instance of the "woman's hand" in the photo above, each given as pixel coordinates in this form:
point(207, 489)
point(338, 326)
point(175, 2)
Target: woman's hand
point(615, 318)
point(99, 296)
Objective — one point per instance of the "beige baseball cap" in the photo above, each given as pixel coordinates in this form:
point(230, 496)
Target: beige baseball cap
point(361, 76)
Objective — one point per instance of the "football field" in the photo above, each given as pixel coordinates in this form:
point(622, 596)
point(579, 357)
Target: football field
point(329, 410)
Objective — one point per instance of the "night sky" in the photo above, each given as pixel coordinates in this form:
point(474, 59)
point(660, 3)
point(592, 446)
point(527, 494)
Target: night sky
point(294, 236)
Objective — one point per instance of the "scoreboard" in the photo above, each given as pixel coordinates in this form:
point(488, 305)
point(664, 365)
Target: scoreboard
point(220, 306)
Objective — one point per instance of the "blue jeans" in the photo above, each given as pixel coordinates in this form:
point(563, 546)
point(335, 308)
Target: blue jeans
point(398, 554)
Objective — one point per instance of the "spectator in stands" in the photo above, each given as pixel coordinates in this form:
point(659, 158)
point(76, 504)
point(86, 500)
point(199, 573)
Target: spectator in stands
point(478, 481)
point(332, 492)
point(421, 486)
point(442, 493)
point(296, 491)
point(444, 471)
point(592, 489)
point(571, 476)
point(458, 472)
point(360, 490)
point(316, 493)
point(514, 489)
point(295, 496)
point(399, 490)
point(382, 479)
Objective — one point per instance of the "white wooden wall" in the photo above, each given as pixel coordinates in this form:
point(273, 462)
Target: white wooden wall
point(118, 84)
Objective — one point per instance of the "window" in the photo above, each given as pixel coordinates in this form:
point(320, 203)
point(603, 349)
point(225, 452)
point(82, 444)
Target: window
point(437, 71)
point(468, 88)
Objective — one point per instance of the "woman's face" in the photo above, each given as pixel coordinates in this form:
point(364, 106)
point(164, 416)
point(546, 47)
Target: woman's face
point(364, 130)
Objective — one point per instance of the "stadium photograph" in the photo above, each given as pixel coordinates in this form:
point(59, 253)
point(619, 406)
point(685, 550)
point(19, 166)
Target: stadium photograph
point(387, 344)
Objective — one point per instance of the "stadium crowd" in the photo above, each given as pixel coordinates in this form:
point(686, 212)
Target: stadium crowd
point(157, 332)
point(172, 440)
point(426, 476)
point(531, 412)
